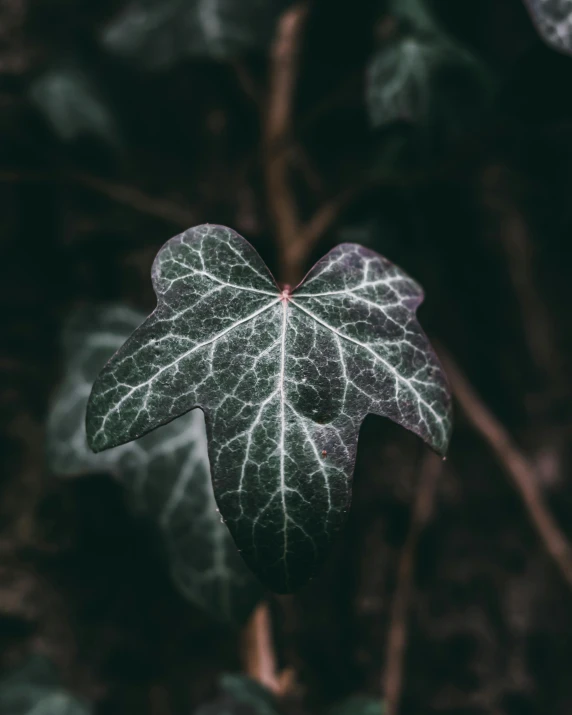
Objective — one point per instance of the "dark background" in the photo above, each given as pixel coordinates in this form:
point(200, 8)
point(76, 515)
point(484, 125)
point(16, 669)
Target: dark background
point(482, 218)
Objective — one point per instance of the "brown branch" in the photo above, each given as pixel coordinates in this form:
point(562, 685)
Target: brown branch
point(14, 176)
point(158, 699)
point(138, 200)
point(312, 231)
point(302, 162)
point(392, 681)
point(515, 463)
point(536, 321)
point(295, 239)
point(283, 74)
point(258, 650)
point(259, 657)
point(286, 144)
point(248, 83)
point(120, 193)
point(514, 236)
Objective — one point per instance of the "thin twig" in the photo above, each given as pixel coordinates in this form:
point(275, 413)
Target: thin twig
point(159, 699)
point(514, 237)
point(248, 83)
point(536, 321)
point(15, 176)
point(302, 162)
point(138, 200)
point(312, 231)
point(120, 193)
point(283, 74)
point(258, 650)
point(349, 87)
point(515, 463)
point(397, 638)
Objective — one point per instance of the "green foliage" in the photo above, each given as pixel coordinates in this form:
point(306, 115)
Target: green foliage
point(239, 695)
point(72, 103)
point(166, 474)
point(358, 705)
point(553, 19)
point(421, 76)
point(34, 689)
point(285, 380)
point(159, 33)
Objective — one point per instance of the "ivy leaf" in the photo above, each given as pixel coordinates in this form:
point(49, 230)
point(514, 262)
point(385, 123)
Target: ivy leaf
point(159, 33)
point(415, 78)
point(35, 689)
point(358, 705)
point(398, 80)
point(284, 378)
point(73, 105)
point(240, 695)
point(421, 76)
point(166, 473)
point(553, 20)
point(416, 14)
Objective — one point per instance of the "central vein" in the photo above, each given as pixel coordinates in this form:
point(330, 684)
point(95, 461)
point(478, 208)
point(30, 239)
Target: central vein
point(283, 425)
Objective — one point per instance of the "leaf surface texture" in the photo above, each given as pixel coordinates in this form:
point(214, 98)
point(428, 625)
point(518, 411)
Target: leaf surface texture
point(284, 379)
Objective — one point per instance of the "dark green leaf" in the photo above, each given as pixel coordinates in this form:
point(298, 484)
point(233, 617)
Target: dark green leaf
point(240, 696)
point(34, 689)
point(167, 472)
point(73, 105)
point(285, 380)
point(245, 690)
point(416, 14)
point(159, 33)
point(421, 76)
point(398, 81)
point(553, 19)
point(358, 705)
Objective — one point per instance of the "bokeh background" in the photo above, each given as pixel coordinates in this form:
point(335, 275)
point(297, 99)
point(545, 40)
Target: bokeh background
point(438, 133)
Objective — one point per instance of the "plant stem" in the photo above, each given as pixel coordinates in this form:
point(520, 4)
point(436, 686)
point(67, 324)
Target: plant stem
point(515, 463)
point(392, 681)
point(259, 655)
point(258, 650)
point(284, 64)
point(123, 194)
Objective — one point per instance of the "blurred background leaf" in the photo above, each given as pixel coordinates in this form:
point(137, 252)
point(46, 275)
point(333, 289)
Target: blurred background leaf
point(423, 78)
point(553, 19)
point(358, 705)
point(34, 689)
point(239, 695)
point(166, 473)
point(73, 104)
point(159, 33)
